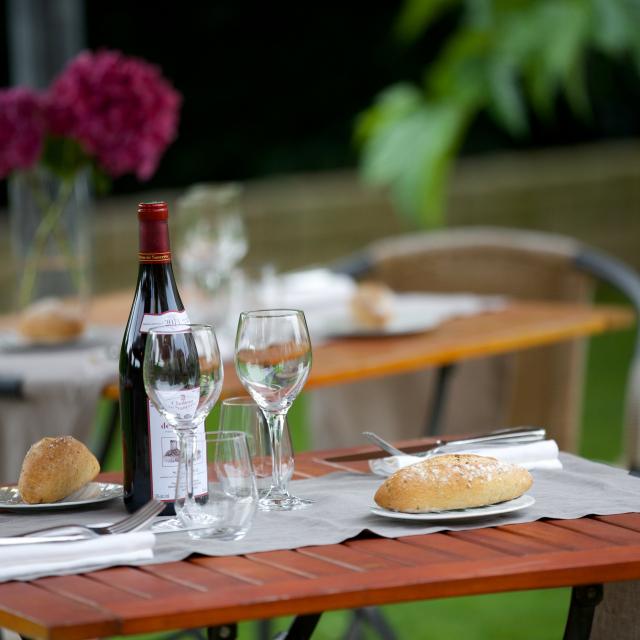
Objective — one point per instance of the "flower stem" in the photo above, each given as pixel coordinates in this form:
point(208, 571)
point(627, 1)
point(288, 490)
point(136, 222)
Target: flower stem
point(53, 210)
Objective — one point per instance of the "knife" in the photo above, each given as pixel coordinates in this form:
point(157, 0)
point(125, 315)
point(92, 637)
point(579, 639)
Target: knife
point(7, 542)
point(499, 437)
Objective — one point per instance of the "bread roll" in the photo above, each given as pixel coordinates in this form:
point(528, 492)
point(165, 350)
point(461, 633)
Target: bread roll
point(54, 468)
point(50, 321)
point(372, 305)
point(455, 481)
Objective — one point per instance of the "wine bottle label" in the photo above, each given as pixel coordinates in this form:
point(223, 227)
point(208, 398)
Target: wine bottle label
point(152, 320)
point(165, 456)
point(183, 403)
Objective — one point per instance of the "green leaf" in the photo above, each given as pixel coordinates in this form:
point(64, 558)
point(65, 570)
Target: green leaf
point(392, 104)
point(563, 31)
point(412, 156)
point(576, 90)
point(615, 28)
point(460, 72)
point(506, 100)
point(417, 15)
point(63, 156)
point(100, 180)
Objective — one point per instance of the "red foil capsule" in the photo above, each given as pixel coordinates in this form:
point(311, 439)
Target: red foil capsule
point(154, 233)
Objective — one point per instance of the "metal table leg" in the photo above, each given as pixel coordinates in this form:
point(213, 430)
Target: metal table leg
point(434, 419)
point(222, 632)
point(301, 629)
point(584, 601)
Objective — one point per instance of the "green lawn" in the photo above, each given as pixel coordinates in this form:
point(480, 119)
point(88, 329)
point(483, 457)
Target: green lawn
point(513, 616)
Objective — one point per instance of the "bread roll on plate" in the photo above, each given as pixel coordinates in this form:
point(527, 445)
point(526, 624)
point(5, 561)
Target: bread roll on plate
point(54, 468)
point(372, 305)
point(50, 321)
point(455, 481)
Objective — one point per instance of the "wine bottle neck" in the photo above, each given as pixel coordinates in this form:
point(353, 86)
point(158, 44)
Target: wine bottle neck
point(154, 242)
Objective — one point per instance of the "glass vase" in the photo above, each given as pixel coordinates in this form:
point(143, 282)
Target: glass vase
point(50, 220)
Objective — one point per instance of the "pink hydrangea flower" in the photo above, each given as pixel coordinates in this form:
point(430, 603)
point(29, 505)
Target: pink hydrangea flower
point(22, 126)
point(120, 109)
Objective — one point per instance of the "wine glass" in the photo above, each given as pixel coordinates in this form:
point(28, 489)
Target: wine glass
point(213, 241)
point(227, 508)
point(273, 358)
point(183, 375)
point(243, 414)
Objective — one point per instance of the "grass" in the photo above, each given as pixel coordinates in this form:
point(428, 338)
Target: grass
point(513, 616)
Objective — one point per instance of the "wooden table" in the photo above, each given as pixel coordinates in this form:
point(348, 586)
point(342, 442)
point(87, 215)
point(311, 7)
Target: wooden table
point(521, 325)
point(205, 591)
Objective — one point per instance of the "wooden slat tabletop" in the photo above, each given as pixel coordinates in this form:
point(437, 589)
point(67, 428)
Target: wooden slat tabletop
point(365, 571)
point(521, 325)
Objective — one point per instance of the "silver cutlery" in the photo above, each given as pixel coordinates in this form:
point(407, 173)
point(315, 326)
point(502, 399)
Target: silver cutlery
point(135, 521)
point(517, 435)
point(21, 540)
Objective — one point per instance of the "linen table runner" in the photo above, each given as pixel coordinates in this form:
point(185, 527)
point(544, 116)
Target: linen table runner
point(342, 512)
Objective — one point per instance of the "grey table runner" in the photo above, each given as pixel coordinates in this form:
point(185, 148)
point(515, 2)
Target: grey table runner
point(342, 512)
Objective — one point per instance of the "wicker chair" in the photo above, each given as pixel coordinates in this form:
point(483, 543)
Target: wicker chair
point(539, 387)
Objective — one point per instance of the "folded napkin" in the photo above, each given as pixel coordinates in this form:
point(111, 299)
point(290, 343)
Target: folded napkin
point(532, 455)
point(24, 562)
point(310, 289)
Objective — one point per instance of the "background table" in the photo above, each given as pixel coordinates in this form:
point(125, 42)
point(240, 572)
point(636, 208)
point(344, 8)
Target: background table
point(521, 325)
point(205, 591)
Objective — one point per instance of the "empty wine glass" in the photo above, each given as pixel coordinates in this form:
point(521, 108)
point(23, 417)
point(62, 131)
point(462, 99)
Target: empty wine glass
point(183, 375)
point(213, 240)
point(243, 414)
point(227, 508)
point(273, 359)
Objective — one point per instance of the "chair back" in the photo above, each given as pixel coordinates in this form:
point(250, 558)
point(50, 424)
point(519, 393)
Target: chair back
point(523, 265)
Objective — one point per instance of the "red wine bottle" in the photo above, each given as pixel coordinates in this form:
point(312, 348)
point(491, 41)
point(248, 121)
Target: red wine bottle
point(149, 444)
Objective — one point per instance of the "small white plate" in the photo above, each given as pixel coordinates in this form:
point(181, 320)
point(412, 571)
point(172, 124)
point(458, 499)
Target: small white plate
point(460, 514)
point(91, 493)
point(13, 342)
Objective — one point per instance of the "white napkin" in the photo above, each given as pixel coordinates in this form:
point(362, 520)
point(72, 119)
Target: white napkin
point(532, 455)
point(311, 289)
point(20, 562)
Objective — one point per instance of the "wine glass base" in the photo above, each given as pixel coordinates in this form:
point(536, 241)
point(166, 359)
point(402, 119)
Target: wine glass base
point(205, 527)
point(283, 503)
point(167, 526)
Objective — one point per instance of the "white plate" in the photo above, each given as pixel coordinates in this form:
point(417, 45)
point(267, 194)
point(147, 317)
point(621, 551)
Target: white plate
point(412, 313)
point(14, 342)
point(91, 493)
point(460, 514)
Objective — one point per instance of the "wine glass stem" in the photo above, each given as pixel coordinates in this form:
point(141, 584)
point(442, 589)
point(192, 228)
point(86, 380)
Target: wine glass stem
point(188, 448)
point(275, 421)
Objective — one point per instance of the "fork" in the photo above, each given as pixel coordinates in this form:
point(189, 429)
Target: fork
point(516, 435)
point(133, 522)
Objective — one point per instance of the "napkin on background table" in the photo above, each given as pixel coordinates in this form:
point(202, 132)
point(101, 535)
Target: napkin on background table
point(21, 562)
point(325, 297)
point(531, 455)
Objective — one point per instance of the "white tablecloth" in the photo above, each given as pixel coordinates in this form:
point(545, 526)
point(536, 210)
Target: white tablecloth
point(61, 388)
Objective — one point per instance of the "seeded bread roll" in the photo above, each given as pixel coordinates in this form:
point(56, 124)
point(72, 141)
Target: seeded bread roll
point(54, 468)
point(456, 481)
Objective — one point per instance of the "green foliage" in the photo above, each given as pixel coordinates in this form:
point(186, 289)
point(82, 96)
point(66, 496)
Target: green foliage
point(505, 57)
point(65, 157)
